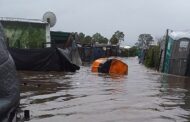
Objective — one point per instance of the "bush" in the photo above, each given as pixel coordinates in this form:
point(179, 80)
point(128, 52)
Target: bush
point(152, 58)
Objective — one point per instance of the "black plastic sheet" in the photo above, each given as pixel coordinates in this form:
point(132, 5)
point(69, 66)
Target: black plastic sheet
point(45, 59)
point(9, 84)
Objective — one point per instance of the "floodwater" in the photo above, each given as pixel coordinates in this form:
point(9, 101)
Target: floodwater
point(142, 96)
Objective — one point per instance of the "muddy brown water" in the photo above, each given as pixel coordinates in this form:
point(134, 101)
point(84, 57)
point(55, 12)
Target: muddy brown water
point(143, 96)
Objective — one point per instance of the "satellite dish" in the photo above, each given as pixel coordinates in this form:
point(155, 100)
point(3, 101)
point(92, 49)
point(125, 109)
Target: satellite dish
point(50, 18)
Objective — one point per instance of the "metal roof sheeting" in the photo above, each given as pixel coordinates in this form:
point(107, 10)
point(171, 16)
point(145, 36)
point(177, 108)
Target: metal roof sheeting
point(176, 35)
point(9, 19)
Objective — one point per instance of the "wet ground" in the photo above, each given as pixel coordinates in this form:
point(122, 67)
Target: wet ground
point(142, 96)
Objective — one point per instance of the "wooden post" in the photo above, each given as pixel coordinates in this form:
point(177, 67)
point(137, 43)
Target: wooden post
point(26, 115)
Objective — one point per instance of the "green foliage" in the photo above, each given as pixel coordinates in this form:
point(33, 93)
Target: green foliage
point(114, 40)
point(144, 40)
point(117, 37)
point(105, 40)
point(99, 38)
point(87, 40)
point(152, 57)
point(81, 37)
point(133, 51)
point(84, 39)
point(92, 40)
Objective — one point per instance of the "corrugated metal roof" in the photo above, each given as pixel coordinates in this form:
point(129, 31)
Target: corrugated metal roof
point(176, 35)
point(59, 37)
point(22, 20)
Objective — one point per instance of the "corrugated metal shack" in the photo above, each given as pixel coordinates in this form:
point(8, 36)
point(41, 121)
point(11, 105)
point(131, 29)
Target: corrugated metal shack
point(177, 53)
point(67, 42)
point(25, 33)
point(61, 39)
point(30, 39)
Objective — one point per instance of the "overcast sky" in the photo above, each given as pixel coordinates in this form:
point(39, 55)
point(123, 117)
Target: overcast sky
point(133, 17)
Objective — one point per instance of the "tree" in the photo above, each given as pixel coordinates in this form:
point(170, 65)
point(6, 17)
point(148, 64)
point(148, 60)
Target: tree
point(105, 40)
point(81, 37)
point(117, 37)
point(137, 44)
point(99, 38)
point(87, 40)
point(144, 40)
point(114, 40)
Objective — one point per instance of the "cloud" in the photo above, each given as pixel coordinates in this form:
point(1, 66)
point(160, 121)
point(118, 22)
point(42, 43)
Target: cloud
point(133, 17)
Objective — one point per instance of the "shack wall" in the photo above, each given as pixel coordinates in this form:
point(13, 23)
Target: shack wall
point(179, 57)
point(24, 35)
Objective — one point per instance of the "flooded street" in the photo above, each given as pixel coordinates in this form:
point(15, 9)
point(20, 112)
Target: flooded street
point(142, 96)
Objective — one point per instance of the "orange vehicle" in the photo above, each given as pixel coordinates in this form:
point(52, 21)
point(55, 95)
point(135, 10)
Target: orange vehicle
point(110, 65)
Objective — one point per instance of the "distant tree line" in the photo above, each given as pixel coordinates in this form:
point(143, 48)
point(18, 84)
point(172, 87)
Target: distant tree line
point(131, 52)
point(144, 41)
point(116, 38)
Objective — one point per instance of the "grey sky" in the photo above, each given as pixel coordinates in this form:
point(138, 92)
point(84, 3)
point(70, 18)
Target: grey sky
point(133, 17)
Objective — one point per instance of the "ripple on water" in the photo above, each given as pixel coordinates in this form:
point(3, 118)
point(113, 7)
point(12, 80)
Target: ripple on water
point(144, 95)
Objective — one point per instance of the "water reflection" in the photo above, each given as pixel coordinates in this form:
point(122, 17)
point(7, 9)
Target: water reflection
point(143, 95)
point(175, 95)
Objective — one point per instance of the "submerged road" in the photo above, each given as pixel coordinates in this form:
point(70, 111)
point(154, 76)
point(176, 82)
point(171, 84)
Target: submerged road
point(142, 96)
